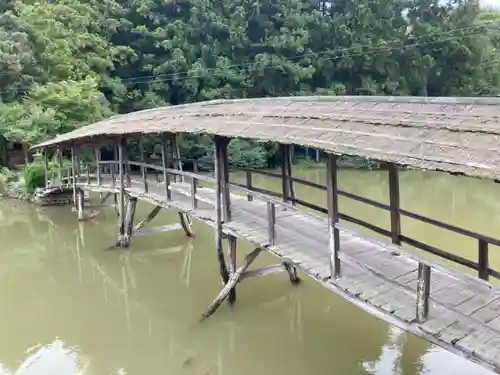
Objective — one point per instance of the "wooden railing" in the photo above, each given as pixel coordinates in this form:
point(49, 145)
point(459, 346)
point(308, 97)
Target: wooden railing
point(481, 265)
point(95, 172)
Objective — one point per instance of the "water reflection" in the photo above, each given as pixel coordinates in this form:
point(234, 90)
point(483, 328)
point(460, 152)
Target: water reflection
point(137, 311)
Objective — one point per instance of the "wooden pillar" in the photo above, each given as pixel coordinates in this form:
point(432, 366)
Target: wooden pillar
point(284, 172)
point(144, 170)
point(165, 162)
point(249, 185)
point(288, 157)
point(46, 166)
point(394, 204)
point(73, 173)
point(483, 260)
point(60, 164)
point(333, 215)
point(226, 205)
point(293, 274)
point(80, 201)
point(423, 292)
point(129, 221)
point(271, 223)
point(317, 156)
point(121, 191)
point(97, 158)
point(218, 210)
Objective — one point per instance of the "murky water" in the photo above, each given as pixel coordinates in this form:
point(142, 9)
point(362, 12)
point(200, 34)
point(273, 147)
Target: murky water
point(71, 306)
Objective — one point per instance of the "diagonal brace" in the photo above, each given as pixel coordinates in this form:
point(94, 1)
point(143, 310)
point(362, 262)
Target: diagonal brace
point(233, 280)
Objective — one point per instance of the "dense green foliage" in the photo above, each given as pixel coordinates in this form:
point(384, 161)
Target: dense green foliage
point(69, 62)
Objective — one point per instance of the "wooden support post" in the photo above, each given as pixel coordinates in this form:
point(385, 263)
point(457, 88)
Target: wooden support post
point(165, 163)
point(194, 191)
point(144, 170)
point(394, 204)
point(129, 221)
point(271, 223)
point(80, 204)
point(483, 260)
point(46, 166)
point(231, 260)
point(289, 162)
point(285, 190)
point(249, 185)
point(87, 179)
point(73, 173)
point(291, 269)
point(113, 165)
point(333, 215)
point(231, 283)
point(60, 164)
point(121, 192)
point(97, 157)
point(126, 165)
point(218, 212)
point(78, 166)
point(423, 292)
point(317, 156)
point(148, 218)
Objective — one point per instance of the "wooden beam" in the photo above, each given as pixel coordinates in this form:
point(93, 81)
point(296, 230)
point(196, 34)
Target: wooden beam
point(46, 166)
point(264, 271)
point(423, 292)
point(121, 190)
point(159, 229)
point(271, 223)
point(231, 283)
point(284, 172)
point(333, 215)
point(218, 214)
point(165, 163)
point(155, 211)
point(144, 170)
point(80, 202)
point(249, 185)
point(60, 164)
point(292, 271)
point(483, 260)
point(129, 221)
point(289, 163)
point(231, 261)
point(394, 204)
point(223, 158)
point(97, 158)
point(73, 173)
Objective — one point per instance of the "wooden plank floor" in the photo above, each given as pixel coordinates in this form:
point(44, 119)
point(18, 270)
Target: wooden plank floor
point(376, 276)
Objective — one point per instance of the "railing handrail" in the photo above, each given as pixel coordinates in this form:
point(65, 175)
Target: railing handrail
point(270, 196)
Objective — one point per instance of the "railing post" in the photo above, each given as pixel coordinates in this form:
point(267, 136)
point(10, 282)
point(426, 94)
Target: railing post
point(121, 194)
point(97, 157)
point(165, 163)
point(73, 173)
point(483, 260)
point(271, 223)
point(144, 170)
point(60, 163)
point(423, 292)
point(249, 185)
point(284, 172)
point(394, 204)
point(194, 188)
point(46, 166)
point(333, 215)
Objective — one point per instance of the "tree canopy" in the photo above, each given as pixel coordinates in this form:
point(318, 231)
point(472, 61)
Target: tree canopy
point(66, 63)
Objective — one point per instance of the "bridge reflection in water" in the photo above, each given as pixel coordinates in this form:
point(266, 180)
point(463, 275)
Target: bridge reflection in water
point(451, 309)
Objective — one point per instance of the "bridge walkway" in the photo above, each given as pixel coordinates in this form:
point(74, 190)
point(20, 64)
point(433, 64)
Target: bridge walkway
point(381, 278)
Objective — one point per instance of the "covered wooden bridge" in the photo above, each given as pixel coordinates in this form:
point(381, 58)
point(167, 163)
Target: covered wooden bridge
point(458, 135)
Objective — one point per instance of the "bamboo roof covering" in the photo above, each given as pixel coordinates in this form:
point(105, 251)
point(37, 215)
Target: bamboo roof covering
point(458, 135)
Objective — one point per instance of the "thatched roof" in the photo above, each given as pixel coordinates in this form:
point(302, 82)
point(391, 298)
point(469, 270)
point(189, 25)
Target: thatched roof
point(459, 135)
